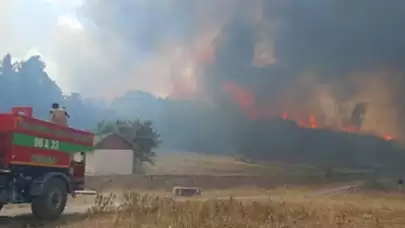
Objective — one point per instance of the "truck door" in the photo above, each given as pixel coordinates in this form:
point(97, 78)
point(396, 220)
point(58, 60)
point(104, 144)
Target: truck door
point(78, 170)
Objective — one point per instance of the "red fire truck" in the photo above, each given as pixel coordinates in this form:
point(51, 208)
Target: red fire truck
point(41, 163)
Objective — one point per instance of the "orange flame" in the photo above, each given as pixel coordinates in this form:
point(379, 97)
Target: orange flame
point(312, 122)
point(247, 100)
point(388, 137)
point(284, 115)
point(244, 98)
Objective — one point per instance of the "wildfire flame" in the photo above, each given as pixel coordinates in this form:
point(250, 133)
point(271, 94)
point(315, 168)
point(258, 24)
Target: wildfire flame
point(244, 98)
point(388, 137)
point(247, 101)
point(284, 115)
point(312, 122)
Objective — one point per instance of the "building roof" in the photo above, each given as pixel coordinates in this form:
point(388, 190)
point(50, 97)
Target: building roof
point(98, 139)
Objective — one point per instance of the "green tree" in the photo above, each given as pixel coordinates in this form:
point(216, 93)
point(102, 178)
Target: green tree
point(140, 134)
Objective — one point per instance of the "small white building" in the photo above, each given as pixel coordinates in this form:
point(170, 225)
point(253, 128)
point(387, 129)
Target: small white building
point(112, 155)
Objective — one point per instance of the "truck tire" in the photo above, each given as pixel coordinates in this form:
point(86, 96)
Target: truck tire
point(51, 204)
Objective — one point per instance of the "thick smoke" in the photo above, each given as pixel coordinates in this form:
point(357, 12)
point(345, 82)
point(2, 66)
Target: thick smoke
point(325, 54)
point(314, 56)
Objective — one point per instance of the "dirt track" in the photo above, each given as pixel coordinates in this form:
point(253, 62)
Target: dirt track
point(167, 182)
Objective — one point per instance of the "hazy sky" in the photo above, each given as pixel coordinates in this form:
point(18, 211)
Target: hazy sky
point(28, 27)
point(74, 58)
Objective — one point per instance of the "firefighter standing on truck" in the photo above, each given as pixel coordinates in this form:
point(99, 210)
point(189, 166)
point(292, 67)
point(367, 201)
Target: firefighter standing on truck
point(58, 115)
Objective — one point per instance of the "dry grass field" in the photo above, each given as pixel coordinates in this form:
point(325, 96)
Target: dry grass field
point(283, 209)
point(180, 163)
point(217, 172)
point(235, 195)
point(278, 208)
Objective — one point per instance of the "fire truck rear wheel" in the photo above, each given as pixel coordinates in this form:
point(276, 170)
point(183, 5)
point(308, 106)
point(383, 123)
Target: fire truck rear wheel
point(50, 205)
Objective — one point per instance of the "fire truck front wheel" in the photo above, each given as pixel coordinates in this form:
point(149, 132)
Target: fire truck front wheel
point(51, 204)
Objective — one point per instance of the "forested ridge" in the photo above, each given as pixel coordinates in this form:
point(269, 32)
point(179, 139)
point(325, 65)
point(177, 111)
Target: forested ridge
point(186, 125)
point(26, 83)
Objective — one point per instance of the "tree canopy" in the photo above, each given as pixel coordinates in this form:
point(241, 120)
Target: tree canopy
point(140, 135)
point(26, 83)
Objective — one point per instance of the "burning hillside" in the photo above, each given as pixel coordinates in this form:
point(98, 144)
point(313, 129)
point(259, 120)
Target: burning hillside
point(268, 60)
point(288, 79)
point(348, 122)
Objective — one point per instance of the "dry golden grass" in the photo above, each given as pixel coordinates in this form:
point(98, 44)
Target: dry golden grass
point(189, 163)
point(289, 210)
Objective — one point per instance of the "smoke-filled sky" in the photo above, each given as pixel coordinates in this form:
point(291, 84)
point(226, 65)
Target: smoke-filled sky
point(290, 53)
point(29, 27)
point(86, 40)
point(80, 55)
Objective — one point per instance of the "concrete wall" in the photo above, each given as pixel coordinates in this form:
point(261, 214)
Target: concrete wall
point(109, 162)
